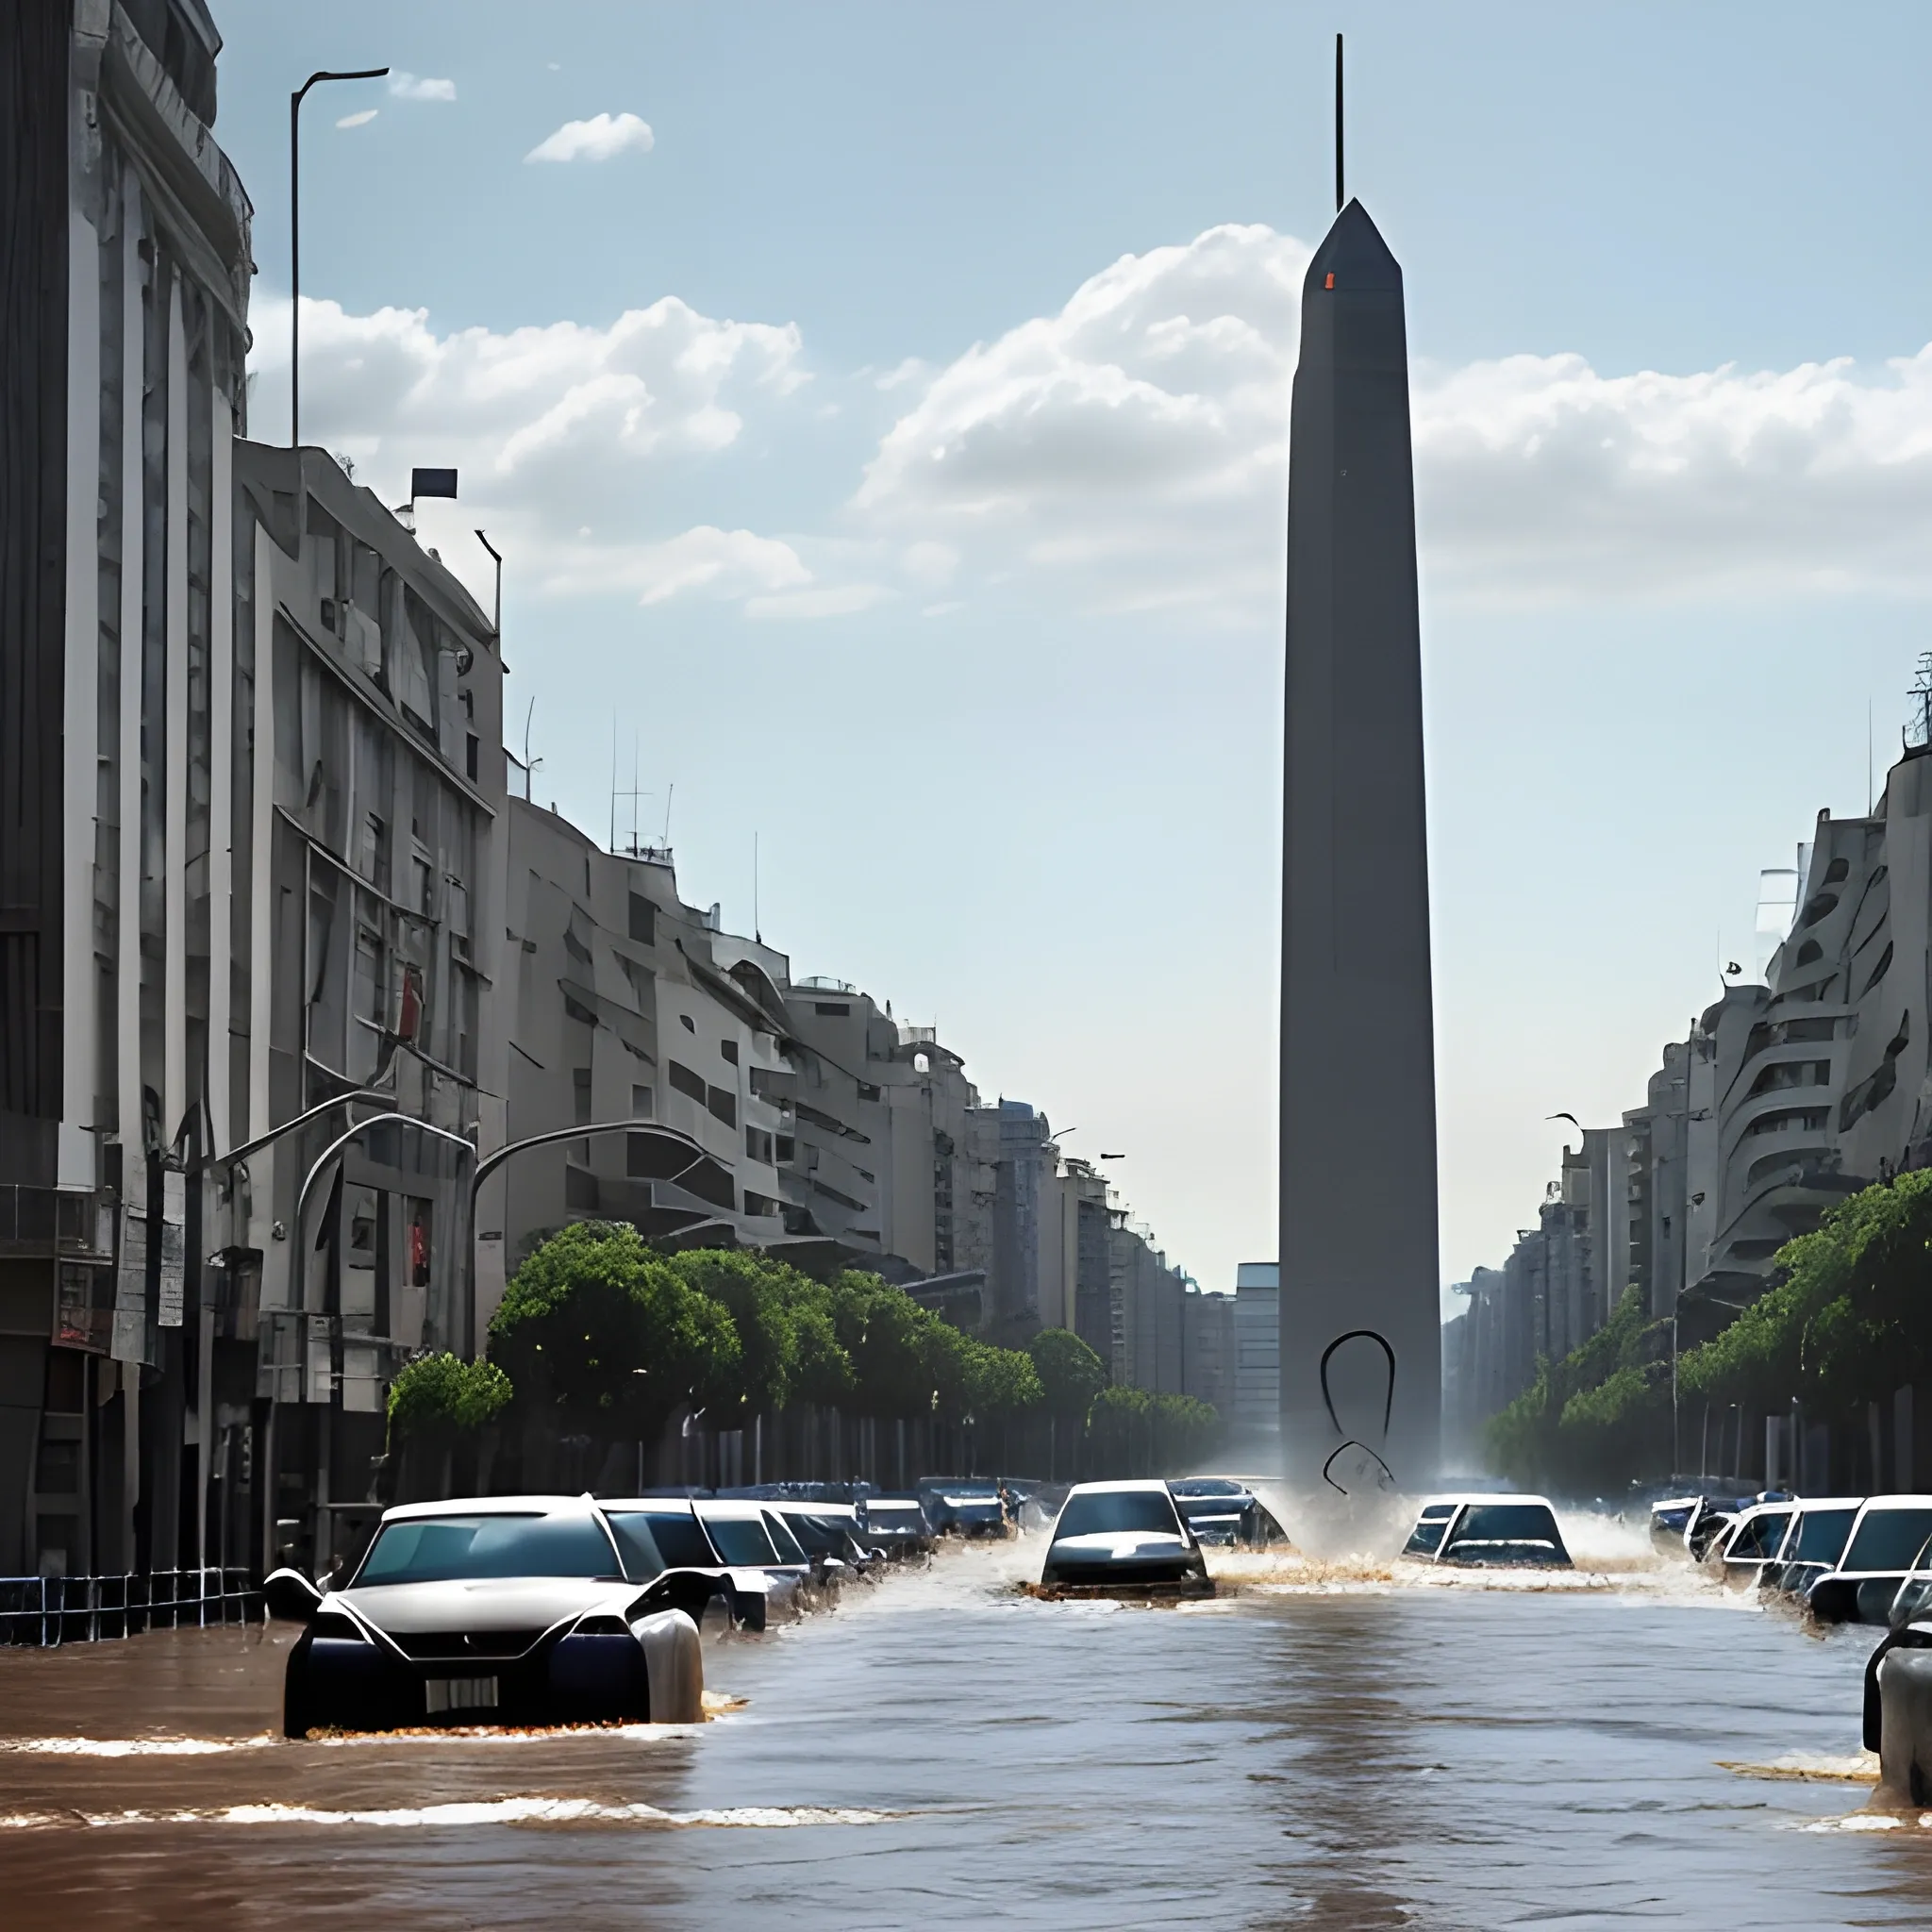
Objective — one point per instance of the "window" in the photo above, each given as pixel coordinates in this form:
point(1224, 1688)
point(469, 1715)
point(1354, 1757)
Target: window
point(372, 868)
point(458, 906)
point(758, 1144)
point(830, 1009)
point(867, 1092)
point(686, 1020)
point(685, 1081)
point(1809, 951)
point(644, 919)
point(470, 750)
point(416, 1240)
point(580, 1094)
point(1809, 1118)
point(787, 1148)
point(729, 1049)
point(1817, 908)
point(723, 1104)
point(1838, 869)
point(1883, 967)
point(641, 1102)
point(759, 1206)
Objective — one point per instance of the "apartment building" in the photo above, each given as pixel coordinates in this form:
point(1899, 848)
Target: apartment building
point(124, 311)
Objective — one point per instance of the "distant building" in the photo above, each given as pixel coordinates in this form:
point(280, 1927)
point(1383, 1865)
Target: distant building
point(1255, 1421)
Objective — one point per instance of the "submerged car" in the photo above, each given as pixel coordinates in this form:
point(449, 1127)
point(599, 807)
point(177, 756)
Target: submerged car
point(1813, 1545)
point(497, 1610)
point(1884, 1546)
point(762, 1558)
point(1741, 1556)
point(1488, 1532)
point(1121, 1534)
point(829, 1534)
point(1670, 1517)
point(897, 1524)
point(1219, 1509)
point(963, 1505)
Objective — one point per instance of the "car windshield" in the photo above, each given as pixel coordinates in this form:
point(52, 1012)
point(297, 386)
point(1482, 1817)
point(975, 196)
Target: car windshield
point(742, 1539)
point(1425, 1538)
point(824, 1536)
point(1889, 1540)
point(1208, 1486)
point(1114, 1512)
point(788, 1546)
point(670, 1539)
point(1757, 1539)
point(1509, 1523)
point(446, 1548)
point(892, 1515)
point(1822, 1535)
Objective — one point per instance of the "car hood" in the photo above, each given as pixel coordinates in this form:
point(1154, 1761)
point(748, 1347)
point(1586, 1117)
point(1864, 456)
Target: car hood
point(1118, 1546)
point(493, 1603)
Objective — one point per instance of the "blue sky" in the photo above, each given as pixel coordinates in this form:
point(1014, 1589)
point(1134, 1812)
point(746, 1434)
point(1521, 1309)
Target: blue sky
point(1008, 732)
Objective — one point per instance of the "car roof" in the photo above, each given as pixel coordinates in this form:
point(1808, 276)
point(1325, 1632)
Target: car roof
point(1765, 1510)
point(731, 1509)
point(670, 1503)
point(1807, 1503)
point(1480, 1496)
point(493, 1506)
point(804, 1506)
point(1136, 1485)
point(1877, 1503)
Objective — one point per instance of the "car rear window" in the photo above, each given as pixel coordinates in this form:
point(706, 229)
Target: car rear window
point(446, 1548)
point(788, 1546)
point(1822, 1535)
point(1509, 1523)
point(1758, 1539)
point(670, 1538)
point(742, 1539)
point(1114, 1512)
point(1889, 1540)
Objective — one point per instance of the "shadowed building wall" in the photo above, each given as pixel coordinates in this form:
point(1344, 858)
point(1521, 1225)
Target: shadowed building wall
point(1358, 1071)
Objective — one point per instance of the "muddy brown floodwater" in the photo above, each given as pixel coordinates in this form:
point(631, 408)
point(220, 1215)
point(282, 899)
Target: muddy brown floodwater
point(1343, 1750)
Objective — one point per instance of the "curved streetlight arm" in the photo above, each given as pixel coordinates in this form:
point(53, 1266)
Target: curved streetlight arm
point(327, 1155)
point(491, 1162)
point(360, 1097)
point(296, 101)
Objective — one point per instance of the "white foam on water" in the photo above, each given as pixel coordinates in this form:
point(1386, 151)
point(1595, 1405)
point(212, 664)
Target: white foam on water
point(523, 1810)
point(1869, 1821)
point(1860, 1768)
point(132, 1747)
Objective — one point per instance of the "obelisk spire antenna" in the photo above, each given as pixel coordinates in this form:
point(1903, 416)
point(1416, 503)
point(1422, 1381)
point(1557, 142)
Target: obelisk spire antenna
point(1340, 197)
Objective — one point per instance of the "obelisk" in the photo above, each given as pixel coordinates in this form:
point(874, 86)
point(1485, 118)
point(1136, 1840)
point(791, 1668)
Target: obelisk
point(1360, 1340)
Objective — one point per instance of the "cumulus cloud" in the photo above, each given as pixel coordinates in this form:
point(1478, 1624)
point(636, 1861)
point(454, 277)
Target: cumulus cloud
point(589, 448)
point(1132, 449)
point(599, 139)
point(408, 87)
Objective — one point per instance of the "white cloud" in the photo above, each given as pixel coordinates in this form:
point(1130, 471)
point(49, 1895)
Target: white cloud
point(1131, 452)
point(556, 431)
point(599, 139)
point(360, 120)
point(406, 87)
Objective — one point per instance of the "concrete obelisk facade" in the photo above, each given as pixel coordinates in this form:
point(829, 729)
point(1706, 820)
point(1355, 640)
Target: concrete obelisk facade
point(1360, 1340)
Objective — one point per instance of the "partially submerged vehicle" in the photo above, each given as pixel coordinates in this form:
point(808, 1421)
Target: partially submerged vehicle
point(964, 1506)
point(499, 1611)
point(829, 1534)
point(1813, 1546)
point(1670, 1517)
point(1488, 1532)
point(897, 1524)
point(1882, 1552)
point(1122, 1538)
point(1740, 1557)
point(1220, 1510)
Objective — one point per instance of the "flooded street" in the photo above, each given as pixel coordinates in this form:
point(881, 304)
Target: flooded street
point(1348, 1752)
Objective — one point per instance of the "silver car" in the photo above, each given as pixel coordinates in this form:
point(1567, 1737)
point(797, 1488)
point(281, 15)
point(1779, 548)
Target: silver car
point(497, 1610)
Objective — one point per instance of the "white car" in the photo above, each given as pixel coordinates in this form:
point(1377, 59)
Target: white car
point(496, 1610)
point(1121, 1534)
point(1888, 1542)
point(1739, 1558)
point(1488, 1532)
point(756, 1550)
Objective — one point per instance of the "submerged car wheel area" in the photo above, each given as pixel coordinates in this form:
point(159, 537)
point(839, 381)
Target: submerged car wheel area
point(501, 1611)
point(1122, 1538)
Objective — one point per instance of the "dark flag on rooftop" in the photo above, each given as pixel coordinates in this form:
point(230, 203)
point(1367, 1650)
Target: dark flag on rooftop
point(432, 483)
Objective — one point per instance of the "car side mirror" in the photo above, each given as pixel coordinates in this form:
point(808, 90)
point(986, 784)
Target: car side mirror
point(290, 1596)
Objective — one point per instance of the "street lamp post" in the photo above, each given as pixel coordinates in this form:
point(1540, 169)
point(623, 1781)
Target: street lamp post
point(296, 100)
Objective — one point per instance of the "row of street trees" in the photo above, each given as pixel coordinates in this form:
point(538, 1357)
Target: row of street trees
point(1846, 1320)
point(602, 1340)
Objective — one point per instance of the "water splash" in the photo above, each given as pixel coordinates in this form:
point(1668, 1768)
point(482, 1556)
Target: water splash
point(518, 1810)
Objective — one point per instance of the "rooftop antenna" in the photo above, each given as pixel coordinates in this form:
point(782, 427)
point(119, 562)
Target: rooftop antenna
point(756, 933)
point(1338, 196)
point(670, 792)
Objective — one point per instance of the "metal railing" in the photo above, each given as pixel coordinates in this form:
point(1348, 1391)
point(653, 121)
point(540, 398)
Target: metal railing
point(41, 1611)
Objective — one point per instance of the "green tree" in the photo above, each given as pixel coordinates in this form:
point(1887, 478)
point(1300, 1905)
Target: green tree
point(1070, 1374)
point(1848, 1317)
point(604, 1338)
